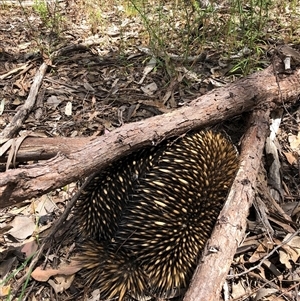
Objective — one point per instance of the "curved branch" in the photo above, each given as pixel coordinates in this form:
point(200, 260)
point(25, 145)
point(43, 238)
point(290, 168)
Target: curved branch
point(215, 106)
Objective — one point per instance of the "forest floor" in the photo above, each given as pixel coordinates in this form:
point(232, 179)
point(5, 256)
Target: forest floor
point(111, 77)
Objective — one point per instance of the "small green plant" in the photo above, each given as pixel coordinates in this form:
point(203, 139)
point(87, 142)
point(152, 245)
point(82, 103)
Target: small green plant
point(13, 274)
point(186, 28)
point(96, 19)
point(41, 8)
point(49, 13)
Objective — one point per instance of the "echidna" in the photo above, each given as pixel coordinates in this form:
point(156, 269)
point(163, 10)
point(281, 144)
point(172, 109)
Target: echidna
point(101, 205)
point(147, 216)
point(115, 272)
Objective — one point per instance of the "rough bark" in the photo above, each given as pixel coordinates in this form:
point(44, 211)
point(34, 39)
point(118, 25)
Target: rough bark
point(217, 105)
point(231, 224)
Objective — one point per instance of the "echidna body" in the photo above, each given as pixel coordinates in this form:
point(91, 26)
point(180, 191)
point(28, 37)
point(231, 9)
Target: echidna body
point(115, 272)
point(101, 204)
point(155, 211)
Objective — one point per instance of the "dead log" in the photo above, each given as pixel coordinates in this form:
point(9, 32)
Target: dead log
point(231, 224)
point(220, 104)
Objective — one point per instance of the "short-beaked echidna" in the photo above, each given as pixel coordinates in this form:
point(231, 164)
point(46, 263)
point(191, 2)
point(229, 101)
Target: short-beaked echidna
point(101, 204)
point(147, 217)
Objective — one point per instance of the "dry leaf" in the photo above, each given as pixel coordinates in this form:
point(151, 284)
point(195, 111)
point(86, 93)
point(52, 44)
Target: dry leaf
point(290, 158)
point(294, 142)
point(5, 146)
point(53, 101)
point(43, 206)
point(68, 109)
point(149, 89)
point(261, 251)
point(22, 227)
point(113, 31)
point(61, 283)
point(95, 295)
point(2, 105)
point(149, 67)
point(263, 293)
point(88, 87)
point(238, 290)
point(4, 290)
point(290, 252)
point(7, 265)
point(64, 269)
point(30, 247)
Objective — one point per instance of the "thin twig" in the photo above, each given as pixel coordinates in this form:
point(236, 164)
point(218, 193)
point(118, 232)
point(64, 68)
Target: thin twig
point(54, 230)
point(265, 258)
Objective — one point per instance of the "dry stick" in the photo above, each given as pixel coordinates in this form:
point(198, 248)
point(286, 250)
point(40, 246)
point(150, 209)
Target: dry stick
point(284, 242)
point(215, 106)
point(24, 68)
point(266, 282)
point(231, 224)
point(17, 121)
point(55, 228)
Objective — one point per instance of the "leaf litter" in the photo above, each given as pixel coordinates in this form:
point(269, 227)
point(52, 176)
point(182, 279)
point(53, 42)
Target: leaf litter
point(94, 89)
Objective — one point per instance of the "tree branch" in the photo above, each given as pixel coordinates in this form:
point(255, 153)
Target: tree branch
point(231, 224)
point(217, 105)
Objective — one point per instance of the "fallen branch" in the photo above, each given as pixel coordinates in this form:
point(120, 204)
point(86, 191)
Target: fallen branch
point(22, 68)
point(231, 224)
point(217, 105)
point(12, 128)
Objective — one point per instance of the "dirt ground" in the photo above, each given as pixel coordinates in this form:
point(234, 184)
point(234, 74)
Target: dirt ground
point(97, 85)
